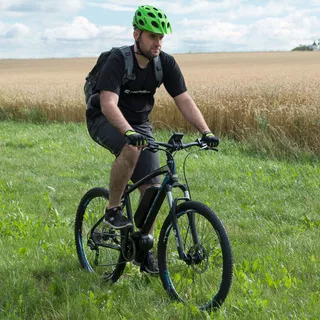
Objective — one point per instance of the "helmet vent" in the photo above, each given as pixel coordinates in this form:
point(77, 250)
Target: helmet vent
point(141, 22)
point(155, 9)
point(155, 24)
point(150, 14)
point(160, 15)
point(139, 13)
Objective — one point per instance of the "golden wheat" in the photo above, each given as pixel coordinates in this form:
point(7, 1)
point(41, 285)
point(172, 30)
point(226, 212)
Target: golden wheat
point(252, 96)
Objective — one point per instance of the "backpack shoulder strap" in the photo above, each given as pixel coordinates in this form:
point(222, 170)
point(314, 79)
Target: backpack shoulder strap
point(158, 70)
point(128, 60)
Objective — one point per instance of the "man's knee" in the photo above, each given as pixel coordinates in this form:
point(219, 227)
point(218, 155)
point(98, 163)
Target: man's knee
point(130, 153)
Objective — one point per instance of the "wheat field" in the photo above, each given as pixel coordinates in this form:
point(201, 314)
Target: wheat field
point(268, 98)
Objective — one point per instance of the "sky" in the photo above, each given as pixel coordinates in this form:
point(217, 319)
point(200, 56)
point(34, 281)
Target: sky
point(85, 28)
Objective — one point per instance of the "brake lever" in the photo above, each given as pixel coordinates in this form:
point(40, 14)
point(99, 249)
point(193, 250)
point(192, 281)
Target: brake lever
point(152, 147)
point(204, 146)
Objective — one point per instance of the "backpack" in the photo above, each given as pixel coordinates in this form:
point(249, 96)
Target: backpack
point(92, 77)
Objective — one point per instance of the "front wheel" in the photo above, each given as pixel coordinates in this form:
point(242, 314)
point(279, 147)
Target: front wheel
point(98, 246)
point(204, 277)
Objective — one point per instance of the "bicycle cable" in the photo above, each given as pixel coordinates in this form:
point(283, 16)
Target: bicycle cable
point(172, 155)
point(184, 172)
point(184, 168)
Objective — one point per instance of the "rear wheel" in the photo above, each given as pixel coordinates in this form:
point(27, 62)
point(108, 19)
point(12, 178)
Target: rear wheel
point(204, 279)
point(98, 246)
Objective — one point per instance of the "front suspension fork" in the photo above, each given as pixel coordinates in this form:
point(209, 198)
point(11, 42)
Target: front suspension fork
point(176, 230)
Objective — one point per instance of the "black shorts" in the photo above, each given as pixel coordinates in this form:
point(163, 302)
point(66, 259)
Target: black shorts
point(102, 132)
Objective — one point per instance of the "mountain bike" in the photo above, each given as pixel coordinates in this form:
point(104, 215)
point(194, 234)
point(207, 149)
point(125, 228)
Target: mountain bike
point(194, 251)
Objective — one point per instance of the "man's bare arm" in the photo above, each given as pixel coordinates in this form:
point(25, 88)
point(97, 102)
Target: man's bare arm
point(190, 111)
point(109, 107)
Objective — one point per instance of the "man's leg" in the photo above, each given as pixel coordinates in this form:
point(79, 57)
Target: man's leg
point(147, 163)
point(107, 136)
point(121, 173)
point(142, 190)
point(146, 259)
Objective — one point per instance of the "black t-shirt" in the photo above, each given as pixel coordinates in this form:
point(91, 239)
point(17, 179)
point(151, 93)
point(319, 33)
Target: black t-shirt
point(136, 96)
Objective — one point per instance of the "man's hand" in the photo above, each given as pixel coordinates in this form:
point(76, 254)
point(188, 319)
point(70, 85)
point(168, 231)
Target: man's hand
point(210, 139)
point(135, 139)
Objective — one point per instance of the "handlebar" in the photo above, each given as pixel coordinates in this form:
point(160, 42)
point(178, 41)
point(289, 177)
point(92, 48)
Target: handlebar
point(154, 146)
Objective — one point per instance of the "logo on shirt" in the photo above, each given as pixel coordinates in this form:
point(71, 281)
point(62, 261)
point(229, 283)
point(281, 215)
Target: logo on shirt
point(127, 91)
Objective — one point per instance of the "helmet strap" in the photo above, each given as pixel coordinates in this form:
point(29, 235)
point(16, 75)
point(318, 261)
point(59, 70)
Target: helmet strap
point(140, 52)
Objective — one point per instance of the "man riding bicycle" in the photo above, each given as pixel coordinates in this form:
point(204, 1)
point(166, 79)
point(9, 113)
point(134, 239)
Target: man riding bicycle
point(119, 119)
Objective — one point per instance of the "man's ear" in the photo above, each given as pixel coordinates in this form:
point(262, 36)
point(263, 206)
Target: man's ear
point(136, 34)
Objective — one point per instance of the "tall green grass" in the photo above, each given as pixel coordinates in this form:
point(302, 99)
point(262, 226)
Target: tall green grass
point(270, 208)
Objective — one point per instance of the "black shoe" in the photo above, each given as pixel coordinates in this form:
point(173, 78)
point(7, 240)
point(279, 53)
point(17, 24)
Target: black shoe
point(150, 264)
point(115, 218)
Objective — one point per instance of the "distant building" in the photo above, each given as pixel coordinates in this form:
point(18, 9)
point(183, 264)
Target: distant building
point(315, 46)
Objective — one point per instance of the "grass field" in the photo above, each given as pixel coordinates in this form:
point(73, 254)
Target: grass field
point(268, 99)
point(269, 207)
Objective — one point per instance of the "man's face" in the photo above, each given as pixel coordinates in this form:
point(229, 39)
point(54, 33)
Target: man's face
point(150, 43)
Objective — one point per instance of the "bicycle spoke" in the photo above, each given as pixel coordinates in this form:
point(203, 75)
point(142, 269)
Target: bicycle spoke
point(98, 246)
point(199, 279)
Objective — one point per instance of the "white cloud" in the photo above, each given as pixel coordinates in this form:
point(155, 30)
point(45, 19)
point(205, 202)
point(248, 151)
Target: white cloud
point(111, 6)
point(6, 4)
point(60, 28)
point(82, 29)
point(272, 8)
point(40, 5)
point(169, 7)
point(16, 30)
point(269, 33)
point(292, 28)
point(204, 30)
point(125, 5)
point(79, 29)
point(197, 7)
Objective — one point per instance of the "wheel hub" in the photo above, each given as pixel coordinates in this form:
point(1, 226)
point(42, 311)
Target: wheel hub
point(198, 258)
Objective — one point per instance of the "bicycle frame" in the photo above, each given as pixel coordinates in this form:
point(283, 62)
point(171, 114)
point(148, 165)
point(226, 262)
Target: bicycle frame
point(169, 182)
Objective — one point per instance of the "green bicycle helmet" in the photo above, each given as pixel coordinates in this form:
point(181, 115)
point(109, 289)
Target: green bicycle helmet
point(151, 19)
